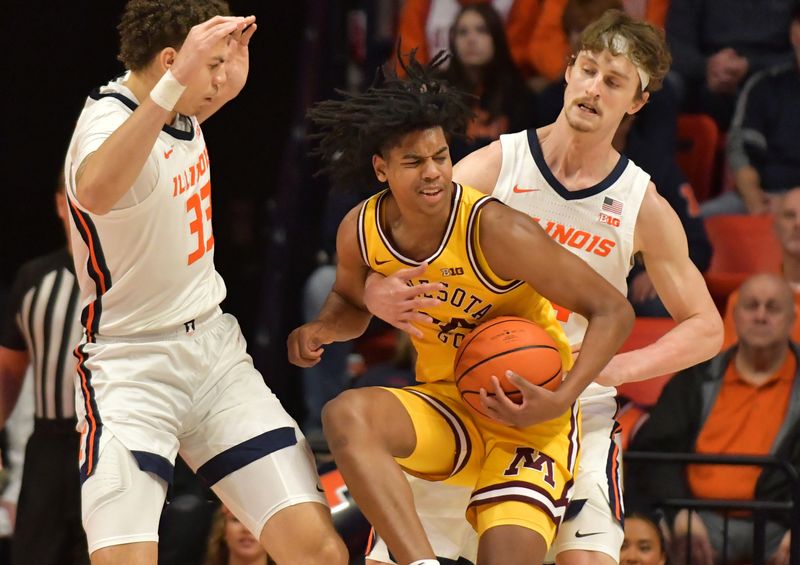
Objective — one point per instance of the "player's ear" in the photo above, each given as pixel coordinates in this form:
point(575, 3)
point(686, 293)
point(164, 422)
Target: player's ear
point(639, 102)
point(166, 57)
point(379, 166)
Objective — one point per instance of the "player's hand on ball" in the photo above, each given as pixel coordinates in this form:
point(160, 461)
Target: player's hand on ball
point(538, 404)
point(395, 302)
point(305, 345)
point(201, 41)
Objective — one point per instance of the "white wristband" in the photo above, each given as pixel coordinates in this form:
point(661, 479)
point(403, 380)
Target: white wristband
point(425, 562)
point(167, 91)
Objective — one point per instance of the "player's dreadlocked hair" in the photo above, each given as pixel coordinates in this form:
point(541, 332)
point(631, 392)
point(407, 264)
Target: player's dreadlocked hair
point(148, 26)
point(352, 130)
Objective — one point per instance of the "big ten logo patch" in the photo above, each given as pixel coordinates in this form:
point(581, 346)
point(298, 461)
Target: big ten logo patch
point(530, 458)
point(452, 271)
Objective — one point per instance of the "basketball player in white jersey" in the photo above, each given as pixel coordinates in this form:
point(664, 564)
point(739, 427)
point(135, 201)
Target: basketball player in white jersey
point(602, 207)
point(161, 369)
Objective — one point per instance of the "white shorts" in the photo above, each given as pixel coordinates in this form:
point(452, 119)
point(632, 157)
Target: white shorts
point(193, 391)
point(441, 507)
point(591, 522)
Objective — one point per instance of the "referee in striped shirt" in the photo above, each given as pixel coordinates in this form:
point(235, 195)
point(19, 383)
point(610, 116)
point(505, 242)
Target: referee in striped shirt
point(41, 328)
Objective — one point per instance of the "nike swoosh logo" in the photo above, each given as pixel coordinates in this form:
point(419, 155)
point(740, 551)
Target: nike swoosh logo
point(167, 154)
point(378, 262)
point(521, 190)
point(578, 534)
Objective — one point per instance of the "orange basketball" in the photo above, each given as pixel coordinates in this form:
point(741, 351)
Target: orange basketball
point(501, 344)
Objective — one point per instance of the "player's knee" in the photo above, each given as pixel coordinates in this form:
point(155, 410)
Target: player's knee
point(325, 549)
point(348, 412)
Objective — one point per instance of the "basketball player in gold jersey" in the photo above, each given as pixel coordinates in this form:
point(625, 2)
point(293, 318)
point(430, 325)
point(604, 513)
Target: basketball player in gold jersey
point(582, 190)
point(489, 259)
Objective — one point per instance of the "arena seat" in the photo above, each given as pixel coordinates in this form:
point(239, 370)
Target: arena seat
point(698, 141)
point(742, 245)
point(646, 331)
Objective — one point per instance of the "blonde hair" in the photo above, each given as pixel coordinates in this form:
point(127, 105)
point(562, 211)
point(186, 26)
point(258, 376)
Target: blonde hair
point(639, 41)
point(217, 552)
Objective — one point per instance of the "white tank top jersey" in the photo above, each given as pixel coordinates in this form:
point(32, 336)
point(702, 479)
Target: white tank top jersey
point(595, 223)
point(148, 266)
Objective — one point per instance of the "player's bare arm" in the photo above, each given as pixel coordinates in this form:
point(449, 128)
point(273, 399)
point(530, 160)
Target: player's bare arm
point(237, 67)
point(389, 298)
point(108, 173)
point(517, 248)
point(343, 316)
point(12, 372)
point(660, 238)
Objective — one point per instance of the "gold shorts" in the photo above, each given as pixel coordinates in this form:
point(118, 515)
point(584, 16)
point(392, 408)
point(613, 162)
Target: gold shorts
point(520, 476)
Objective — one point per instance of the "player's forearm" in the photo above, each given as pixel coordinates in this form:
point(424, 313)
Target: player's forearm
point(604, 336)
point(108, 173)
point(342, 319)
point(692, 341)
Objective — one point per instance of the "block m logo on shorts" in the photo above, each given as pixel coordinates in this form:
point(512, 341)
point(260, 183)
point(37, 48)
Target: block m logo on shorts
point(529, 458)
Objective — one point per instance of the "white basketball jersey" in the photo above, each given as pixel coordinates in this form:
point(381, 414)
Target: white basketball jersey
point(595, 223)
point(150, 266)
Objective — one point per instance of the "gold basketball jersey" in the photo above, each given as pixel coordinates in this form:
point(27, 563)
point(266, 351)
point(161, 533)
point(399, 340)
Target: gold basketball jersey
point(473, 293)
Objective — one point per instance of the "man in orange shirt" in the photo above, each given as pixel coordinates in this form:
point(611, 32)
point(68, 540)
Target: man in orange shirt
point(712, 408)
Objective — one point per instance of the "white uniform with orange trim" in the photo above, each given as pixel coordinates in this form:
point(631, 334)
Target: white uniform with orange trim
point(161, 368)
point(597, 224)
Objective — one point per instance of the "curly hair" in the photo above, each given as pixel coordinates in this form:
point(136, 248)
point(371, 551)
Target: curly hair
point(148, 26)
point(352, 130)
point(647, 47)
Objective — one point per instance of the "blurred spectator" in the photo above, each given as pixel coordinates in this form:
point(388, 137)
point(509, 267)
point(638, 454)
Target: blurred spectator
point(550, 46)
point(762, 144)
point(425, 25)
point(787, 228)
point(481, 65)
point(712, 408)
point(41, 328)
point(644, 543)
point(230, 543)
point(717, 44)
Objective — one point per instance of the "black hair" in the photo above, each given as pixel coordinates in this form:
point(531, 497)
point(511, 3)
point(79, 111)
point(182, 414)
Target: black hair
point(351, 130)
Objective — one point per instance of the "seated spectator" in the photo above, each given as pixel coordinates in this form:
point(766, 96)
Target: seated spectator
point(787, 228)
point(712, 408)
point(425, 25)
point(550, 46)
point(717, 44)
point(481, 65)
point(762, 145)
point(644, 542)
point(230, 543)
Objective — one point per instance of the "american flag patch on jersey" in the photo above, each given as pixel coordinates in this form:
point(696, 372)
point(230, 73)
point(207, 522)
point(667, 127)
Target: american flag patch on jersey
point(612, 206)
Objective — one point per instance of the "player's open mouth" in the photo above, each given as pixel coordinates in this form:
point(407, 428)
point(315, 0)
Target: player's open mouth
point(432, 195)
point(587, 108)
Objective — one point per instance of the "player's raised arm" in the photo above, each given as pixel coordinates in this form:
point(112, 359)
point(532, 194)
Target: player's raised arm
point(343, 316)
point(237, 67)
point(698, 336)
point(185, 81)
point(516, 247)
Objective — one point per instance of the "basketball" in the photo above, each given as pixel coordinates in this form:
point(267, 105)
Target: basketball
point(501, 344)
